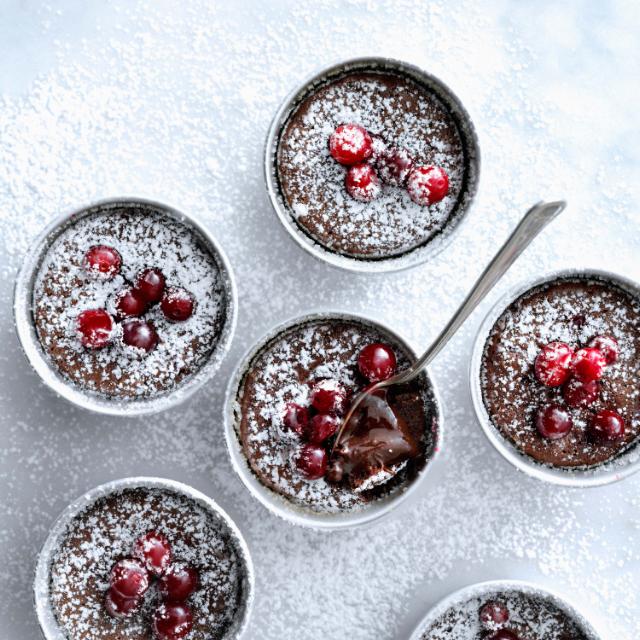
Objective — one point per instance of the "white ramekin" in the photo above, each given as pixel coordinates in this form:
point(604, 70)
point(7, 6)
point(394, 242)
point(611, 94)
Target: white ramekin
point(276, 503)
point(463, 121)
point(620, 467)
point(490, 589)
point(25, 327)
point(44, 611)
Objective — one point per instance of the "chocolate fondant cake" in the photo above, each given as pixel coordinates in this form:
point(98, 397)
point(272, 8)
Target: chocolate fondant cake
point(288, 372)
point(106, 531)
point(398, 112)
point(570, 314)
point(166, 342)
point(511, 615)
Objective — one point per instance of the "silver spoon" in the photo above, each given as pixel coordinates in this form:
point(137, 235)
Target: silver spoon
point(533, 222)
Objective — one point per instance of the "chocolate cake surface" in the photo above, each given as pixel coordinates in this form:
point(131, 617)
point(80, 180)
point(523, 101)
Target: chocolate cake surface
point(284, 371)
point(404, 114)
point(63, 289)
point(105, 531)
point(531, 617)
point(570, 310)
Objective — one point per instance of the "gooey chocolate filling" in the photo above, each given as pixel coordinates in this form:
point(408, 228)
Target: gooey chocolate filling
point(374, 440)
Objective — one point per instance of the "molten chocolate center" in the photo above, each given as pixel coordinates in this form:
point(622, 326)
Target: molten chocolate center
point(374, 439)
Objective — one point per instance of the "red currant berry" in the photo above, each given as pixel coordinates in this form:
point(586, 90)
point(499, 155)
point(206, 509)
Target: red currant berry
point(350, 144)
point(102, 261)
point(580, 394)
point(312, 461)
point(427, 185)
point(95, 328)
point(394, 166)
point(172, 621)
point(154, 550)
point(379, 148)
point(177, 304)
point(362, 183)
point(119, 607)
point(322, 427)
point(150, 283)
point(140, 334)
point(607, 346)
point(328, 396)
point(178, 582)
point(504, 634)
point(377, 362)
point(130, 303)
point(129, 578)
point(588, 364)
point(606, 426)
point(553, 364)
point(296, 418)
point(553, 422)
point(494, 614)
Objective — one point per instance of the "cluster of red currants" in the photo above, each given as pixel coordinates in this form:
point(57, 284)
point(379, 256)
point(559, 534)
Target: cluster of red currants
point(329, 401)
point(96, 327)
point(578, 373)
point(371, 161)
point(131, 577)
point(494, 617)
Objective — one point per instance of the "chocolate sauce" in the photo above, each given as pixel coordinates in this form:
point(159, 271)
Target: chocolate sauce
point(374, 439)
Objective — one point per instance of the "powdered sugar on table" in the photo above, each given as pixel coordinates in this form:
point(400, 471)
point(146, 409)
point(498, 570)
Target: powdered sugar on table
point(173, 101)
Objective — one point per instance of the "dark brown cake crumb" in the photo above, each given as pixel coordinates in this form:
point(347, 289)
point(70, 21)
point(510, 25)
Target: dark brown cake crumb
point(572, 311)
point(284, 372)
point(105, 532)
point(404, 114)
point(63, 289)
point(531, 617)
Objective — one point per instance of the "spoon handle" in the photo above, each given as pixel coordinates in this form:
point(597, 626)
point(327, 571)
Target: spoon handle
point(533, 222)
point(530, 226)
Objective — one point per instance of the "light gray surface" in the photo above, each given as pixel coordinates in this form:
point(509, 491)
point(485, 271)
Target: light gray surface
point(173, 101)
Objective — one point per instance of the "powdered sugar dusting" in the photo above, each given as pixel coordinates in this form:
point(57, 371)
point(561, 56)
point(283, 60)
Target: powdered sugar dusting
point(173, 100)
point(144, 240)
point(284, 371)
point(104, 532)
point(531, 615)
point(394, 110)
point(573, 311)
